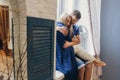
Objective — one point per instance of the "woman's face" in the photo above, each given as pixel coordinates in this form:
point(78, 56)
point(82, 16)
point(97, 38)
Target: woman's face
point(68, 21)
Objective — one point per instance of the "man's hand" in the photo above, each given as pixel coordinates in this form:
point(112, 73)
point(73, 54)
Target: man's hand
point(75, 39)
point(68, 44)
point(63, 30)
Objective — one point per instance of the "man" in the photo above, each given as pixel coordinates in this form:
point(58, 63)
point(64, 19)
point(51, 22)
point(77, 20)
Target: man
point(86, 69)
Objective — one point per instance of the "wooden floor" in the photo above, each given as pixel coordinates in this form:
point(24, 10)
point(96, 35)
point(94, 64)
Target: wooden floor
point(6, 65)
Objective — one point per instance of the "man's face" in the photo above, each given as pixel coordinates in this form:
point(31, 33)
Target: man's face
point(74, 19)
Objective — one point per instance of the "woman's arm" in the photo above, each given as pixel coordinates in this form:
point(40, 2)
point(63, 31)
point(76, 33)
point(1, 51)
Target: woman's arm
point(68, 44)
point(60, 38)
point(75, 41)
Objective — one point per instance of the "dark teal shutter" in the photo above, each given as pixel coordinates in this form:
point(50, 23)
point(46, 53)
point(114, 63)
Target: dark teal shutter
point(40, 38)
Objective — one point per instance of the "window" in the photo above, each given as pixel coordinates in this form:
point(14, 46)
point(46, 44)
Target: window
point(82, 6)
point(6, 42)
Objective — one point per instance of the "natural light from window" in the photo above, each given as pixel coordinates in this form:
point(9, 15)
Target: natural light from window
point(82, 6)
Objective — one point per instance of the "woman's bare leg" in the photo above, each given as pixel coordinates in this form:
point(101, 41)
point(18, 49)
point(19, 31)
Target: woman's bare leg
point(83, 54)
point(98, 62)
point(86, 56)
point(88, 71)
point(81, 72)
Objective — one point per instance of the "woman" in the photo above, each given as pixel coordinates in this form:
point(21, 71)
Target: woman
point(65, 58)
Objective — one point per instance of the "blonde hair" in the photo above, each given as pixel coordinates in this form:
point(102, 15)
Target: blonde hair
point(63, 17)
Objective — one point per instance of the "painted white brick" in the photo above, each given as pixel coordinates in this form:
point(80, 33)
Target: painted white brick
point(42, 8)
point(16, 21)
point(23, 21)
point(23, 28)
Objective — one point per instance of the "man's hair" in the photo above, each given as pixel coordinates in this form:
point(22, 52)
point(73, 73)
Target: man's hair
point(77, 14)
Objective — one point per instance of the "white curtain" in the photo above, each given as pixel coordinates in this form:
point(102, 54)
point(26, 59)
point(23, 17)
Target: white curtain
point(95, 9)
point(95, 18)
point(65, 6)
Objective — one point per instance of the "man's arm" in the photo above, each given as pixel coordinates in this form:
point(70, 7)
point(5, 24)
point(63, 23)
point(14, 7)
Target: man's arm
point(76, 39)
point(68, 44)
point(63, 30)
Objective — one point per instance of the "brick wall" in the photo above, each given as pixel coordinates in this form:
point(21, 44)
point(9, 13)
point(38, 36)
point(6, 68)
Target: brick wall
point(42, 8)
point(20, 37)
point(21, 9)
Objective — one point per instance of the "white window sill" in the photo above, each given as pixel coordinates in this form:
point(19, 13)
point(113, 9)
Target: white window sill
point(59, 75)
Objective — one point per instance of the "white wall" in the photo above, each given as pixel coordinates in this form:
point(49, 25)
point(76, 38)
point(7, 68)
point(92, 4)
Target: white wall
point(110, 39)
point(4, 2)
point(42, 8)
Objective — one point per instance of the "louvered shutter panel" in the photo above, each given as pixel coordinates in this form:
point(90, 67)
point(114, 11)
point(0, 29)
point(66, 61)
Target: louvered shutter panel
point(40, 33)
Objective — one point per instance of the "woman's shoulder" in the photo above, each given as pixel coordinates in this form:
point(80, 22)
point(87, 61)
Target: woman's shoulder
point(59, 33)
